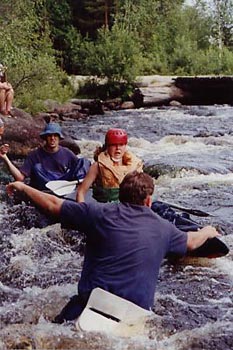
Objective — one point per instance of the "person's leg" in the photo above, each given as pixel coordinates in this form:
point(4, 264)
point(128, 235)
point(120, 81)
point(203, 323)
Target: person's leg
point(3, 101)
point(9, 100)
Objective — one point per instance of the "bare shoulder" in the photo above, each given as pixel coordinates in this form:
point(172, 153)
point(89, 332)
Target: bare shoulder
point(94, 169)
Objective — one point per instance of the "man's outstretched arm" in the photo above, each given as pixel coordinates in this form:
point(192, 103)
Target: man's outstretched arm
point(197, 238)
point(45, 201)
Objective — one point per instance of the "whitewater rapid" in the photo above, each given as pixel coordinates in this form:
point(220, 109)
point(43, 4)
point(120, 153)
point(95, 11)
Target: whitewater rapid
point(190, 151)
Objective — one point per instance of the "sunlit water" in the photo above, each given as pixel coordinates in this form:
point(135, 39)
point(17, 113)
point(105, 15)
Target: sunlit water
point(190, 151)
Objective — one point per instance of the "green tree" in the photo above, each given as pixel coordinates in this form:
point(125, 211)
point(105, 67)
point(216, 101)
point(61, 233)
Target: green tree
point(27, 50)
point(219, 30)
point(116, 55)
point(222, 11)
point(64, 35)
point(91, 15)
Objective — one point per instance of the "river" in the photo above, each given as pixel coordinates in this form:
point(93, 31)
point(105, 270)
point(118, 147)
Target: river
point(192, 147)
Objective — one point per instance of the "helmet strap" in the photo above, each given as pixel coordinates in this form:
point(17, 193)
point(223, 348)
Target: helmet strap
point(115, 160)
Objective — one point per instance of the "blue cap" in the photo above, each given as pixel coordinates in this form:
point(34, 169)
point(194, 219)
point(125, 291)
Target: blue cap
point(52, 128)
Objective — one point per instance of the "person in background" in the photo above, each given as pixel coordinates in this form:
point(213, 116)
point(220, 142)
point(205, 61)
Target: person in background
point(48, 162)
point(125, 242)
point(6, 93)
point(112, 163)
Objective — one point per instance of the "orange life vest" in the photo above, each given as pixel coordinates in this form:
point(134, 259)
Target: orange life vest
point(106, 187)
point(110, 175)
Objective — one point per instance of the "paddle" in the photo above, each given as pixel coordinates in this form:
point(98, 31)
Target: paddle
point(211, 248)
point(62, 187)
point(195, 212)
point(106, 312)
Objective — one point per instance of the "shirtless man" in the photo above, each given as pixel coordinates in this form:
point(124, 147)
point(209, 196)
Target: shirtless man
point(6, 93)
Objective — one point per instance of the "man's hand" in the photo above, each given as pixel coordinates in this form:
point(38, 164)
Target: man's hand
point(209, 231)
point(197, 238)
point(14, 186)
point(51, 204)
point(4, 149)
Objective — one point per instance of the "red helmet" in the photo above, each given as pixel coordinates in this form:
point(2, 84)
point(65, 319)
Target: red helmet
point(116, 137)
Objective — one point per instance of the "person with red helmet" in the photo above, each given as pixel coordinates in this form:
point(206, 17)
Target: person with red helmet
point(112, 163)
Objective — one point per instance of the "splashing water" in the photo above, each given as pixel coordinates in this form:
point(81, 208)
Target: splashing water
point(190, 151)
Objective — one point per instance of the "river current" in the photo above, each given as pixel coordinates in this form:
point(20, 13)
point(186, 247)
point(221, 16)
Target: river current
point(189, 151)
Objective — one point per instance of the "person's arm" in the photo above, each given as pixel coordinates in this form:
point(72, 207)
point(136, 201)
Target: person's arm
point(197, 238)
point(87, 182)
point(15, 172)
point(45, 201)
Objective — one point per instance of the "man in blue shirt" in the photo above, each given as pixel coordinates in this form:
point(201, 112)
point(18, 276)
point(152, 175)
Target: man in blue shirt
point(125, 242)
point(48, 162)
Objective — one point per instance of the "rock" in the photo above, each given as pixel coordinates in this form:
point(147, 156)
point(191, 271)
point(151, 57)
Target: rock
point(22, 133)
point(161, 93)
point(94, 106)
point(57, 111)
point(175, 103)
point(113, 104)
point(137, 98)
point(127, 105)
point(71, 144)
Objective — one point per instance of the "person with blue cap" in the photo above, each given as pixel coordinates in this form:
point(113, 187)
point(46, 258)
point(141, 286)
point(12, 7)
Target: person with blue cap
point(48, 162)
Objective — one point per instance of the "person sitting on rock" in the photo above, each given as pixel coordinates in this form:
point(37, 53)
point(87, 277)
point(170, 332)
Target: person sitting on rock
point(112, 163)
point(6, 93)
point(48, 162)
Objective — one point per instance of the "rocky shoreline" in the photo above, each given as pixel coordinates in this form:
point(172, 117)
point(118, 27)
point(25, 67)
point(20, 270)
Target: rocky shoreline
point(22, 130)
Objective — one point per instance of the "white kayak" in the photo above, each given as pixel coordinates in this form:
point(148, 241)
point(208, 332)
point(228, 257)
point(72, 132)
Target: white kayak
point(106, 312)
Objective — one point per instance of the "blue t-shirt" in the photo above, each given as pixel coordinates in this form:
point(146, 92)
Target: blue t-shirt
point(125, 247)
point(41, 165)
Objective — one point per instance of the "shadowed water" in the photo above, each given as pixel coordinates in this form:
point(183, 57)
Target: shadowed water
point(189, 151)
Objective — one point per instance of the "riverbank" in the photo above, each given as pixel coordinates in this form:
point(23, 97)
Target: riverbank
point(151, 91)
point(157, 90)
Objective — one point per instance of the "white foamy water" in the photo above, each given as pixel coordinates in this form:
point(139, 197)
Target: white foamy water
point(191, 149)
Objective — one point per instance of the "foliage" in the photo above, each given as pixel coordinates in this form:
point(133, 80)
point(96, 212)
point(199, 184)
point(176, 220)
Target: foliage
point(91, 15)
point(222, 25)
point(115, 55)
point(111, 40)
point(209, 62)
point(27, 51)
point(96, 89)
point(41, 80)
point(63, 33)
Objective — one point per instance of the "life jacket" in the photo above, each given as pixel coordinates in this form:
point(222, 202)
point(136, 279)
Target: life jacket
point(106, 187)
